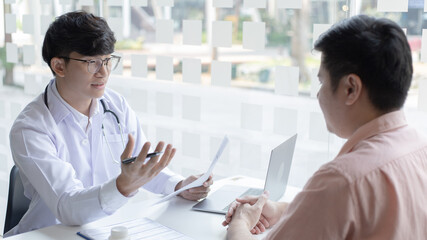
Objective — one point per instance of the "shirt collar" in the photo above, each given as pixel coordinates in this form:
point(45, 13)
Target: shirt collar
point(384, 123)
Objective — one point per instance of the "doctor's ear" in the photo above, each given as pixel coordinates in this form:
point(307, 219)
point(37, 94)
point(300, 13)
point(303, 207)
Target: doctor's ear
point(58, 66)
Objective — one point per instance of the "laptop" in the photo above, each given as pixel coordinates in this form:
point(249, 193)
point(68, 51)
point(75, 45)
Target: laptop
point(275, 182)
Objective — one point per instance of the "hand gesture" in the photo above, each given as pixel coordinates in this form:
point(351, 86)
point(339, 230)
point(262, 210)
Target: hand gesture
point(134, 175)
point(195, 193)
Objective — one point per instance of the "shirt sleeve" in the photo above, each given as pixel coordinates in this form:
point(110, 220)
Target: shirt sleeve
point(324, 209)
point(55, 180)
point(110, 197)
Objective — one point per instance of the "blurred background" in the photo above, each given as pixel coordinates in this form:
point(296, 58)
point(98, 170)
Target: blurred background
point(196, 70)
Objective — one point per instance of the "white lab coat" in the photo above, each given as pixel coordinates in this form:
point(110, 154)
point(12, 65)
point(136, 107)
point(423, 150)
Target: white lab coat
point(68, 173)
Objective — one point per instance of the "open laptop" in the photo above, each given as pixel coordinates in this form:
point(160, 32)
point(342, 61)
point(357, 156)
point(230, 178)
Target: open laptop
point(275, 182)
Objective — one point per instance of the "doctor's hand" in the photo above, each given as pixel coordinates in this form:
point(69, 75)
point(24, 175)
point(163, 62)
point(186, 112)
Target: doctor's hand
point(195, 193)
point(270, 214)
point(134, 175)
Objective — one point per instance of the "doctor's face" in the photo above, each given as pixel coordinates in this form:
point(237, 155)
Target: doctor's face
point(82, 79)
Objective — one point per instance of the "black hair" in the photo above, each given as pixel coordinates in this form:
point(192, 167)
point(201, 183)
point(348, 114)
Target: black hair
point(79, 32)
point(374, 49)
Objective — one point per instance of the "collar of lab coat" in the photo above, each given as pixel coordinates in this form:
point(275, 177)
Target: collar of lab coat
point(61, 109)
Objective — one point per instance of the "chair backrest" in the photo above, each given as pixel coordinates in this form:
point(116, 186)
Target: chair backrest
point(17, 203)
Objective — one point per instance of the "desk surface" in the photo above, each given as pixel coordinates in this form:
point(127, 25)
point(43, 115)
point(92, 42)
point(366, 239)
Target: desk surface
point(175, 213)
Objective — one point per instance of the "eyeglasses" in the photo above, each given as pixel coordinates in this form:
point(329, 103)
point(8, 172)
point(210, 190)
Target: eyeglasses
point(94, 65)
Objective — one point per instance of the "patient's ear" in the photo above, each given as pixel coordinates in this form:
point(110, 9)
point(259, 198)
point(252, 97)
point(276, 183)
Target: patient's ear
point(353, 88)
point(58, 66)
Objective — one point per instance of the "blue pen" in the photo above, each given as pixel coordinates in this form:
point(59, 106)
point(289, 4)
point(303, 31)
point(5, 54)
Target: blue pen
point(150, 155)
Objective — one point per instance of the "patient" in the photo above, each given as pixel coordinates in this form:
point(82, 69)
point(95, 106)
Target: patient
point(376, 186)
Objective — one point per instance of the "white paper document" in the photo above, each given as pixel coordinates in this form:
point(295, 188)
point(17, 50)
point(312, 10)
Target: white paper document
point(204, 177)
point(143, 228)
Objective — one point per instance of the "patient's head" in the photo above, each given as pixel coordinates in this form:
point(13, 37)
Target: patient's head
point(374, 49)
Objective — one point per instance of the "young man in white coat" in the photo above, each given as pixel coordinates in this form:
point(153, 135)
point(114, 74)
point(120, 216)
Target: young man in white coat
point(69, 142)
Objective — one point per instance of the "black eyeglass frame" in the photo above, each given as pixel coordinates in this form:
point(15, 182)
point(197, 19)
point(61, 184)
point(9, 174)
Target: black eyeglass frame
point(106, 60)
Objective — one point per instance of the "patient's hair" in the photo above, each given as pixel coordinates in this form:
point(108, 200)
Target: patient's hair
point(374, 49)
point(79, 32)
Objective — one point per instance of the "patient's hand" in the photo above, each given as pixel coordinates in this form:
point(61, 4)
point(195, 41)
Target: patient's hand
point(270, 214)
point(195, 193)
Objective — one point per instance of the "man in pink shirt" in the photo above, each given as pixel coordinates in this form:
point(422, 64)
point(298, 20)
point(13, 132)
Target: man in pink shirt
point(376, 188)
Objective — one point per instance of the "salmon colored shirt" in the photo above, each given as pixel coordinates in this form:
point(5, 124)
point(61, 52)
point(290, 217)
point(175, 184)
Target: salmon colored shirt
point(376, 188)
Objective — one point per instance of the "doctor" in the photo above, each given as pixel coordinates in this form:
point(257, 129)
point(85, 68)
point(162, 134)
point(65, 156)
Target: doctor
point(69, 142)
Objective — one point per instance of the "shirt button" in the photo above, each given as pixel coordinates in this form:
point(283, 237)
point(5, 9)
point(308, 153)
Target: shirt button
point(85, 141)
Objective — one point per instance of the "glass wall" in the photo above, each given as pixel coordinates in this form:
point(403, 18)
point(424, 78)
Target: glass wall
point(196, 70)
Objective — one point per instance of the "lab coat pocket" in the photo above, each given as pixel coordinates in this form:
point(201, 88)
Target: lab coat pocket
point(114, 145)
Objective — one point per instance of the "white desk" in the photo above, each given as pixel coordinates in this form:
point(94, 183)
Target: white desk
point(175, 213)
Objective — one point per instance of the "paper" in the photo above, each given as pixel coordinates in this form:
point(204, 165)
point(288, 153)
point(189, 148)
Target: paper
point(164, 68)
point(192, 32)
point(289, 4)
point(255, 3)
point(221, 33)
point(140, 228)
point(392, 6)
point(204, 177)
point(164, 31)
point(191, 70)
point(286, 80)
point(254, 35)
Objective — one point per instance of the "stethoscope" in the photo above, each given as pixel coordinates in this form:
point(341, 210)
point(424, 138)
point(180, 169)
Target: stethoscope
point(103, 131)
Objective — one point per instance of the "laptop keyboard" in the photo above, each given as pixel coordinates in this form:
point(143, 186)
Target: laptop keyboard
point(250, 191)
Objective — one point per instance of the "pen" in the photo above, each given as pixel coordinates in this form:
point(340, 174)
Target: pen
point(150, 155)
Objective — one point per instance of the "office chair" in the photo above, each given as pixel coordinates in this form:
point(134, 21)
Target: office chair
point(17, 203)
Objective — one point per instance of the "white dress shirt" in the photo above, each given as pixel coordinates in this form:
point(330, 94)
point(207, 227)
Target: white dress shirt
point(66, 167)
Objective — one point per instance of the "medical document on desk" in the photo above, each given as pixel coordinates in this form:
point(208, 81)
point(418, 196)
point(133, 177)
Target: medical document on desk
point(141, 228)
